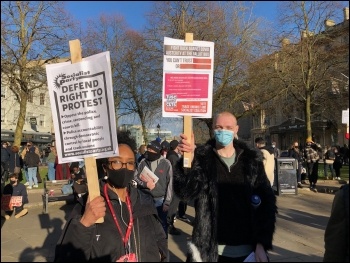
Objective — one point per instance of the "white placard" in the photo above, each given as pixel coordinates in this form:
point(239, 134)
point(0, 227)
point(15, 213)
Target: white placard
point(187, 78)
point(345, 116)
point(82, 103)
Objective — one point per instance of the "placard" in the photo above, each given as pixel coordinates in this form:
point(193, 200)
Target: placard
point(82, 103)
point(187, 78)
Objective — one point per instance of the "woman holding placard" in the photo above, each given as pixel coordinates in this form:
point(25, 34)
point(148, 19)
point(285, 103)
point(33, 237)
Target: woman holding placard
point(131, 230)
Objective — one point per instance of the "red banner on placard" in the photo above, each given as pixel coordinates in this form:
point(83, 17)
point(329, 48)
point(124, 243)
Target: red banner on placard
point(186, 106)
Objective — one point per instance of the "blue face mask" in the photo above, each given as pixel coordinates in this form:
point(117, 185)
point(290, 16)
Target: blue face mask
point(224, 137)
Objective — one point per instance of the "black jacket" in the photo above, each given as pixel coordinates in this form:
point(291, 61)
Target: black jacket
point(234, 222)
point(31, 159)
point(173, 157)
point(102, 242)
point(17, 190)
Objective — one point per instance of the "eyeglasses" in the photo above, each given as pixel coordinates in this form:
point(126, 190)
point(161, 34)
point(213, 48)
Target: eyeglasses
point(116, 165)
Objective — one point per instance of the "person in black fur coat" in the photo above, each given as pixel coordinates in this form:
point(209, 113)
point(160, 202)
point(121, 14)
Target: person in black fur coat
point(224, 177)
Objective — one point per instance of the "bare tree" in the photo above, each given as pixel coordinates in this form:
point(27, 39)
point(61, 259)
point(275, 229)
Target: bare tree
point(33, 33)
point(306, 67)
point(233, 30)
point(136, 92)
point(141, 85)
point(110, 32)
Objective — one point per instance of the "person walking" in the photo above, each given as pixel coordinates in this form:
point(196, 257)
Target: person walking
point(162, 190)
point(298, 156)
point(328, 161)
point(234, 202)
point(131, 230)
point(336, 236)
point(312, 157)
point(32, 161)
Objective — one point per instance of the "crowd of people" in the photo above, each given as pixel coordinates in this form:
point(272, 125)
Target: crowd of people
point(144, 192)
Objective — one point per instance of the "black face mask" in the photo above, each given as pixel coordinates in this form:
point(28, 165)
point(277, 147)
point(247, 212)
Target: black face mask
point(12, 182)
point(120, 178)
point(152, 156)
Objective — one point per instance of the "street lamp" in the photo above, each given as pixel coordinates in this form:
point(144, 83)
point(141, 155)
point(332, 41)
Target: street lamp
point(158, 129)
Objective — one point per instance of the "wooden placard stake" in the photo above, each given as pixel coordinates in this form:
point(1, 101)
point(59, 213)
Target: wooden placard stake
point(90, 162)
point(188, 120)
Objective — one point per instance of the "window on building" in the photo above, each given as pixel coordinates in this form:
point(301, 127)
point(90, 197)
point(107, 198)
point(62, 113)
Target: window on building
point(42, 120)
point(30, 96)
point(29, 115)
point(3, 91)
point(2, 115)
point(42, 98)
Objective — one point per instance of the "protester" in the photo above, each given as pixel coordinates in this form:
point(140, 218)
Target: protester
point(46, 153)
point(162, 190)
point(338, 162)
point(140, 154)
point(62, 170)
point(32, 161)
point(336, 236)
point(173, 157)
point(181, 211)
point(131, 230)
point(298, 156)
point(165, 145)
point(328, 161)
point(276, 151)
point(269, 159)
point(14, 162)
point(344, 151)
point(79, 180)
point(23, 154)
point(5, 159)
point(15, 188)
point(312, 157)
point(226, 179)
point(50, 160)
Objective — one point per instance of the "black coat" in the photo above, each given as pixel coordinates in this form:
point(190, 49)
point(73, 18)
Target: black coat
point(210, 180)
point(102, 242)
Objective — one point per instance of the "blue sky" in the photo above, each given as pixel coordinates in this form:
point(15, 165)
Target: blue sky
point(134, 14)
point(134, 11)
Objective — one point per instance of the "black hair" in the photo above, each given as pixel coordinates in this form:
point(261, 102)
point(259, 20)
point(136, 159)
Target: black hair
point(259, 140)
point(124, 137)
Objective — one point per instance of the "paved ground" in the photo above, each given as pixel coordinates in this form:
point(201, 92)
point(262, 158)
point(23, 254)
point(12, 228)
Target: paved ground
point(299, 233)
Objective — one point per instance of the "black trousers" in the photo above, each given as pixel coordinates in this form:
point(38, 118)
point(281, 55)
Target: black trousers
point(312, 169)
point(182, 208)
point(173, 209)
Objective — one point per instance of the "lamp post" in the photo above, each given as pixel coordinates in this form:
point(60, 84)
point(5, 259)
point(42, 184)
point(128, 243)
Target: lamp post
point(158, 129)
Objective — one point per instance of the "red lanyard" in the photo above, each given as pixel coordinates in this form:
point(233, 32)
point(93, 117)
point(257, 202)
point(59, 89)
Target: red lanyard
point(131, 222)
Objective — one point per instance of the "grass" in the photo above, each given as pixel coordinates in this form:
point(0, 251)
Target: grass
point(344, 172)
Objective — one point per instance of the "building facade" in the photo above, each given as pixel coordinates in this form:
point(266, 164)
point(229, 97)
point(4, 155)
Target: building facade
point(38, 120)
point(285, 125)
